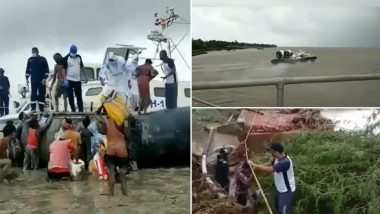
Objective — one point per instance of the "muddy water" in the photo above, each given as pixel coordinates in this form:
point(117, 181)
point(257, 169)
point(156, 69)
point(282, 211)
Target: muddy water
point(149, 191)
point(251, 64)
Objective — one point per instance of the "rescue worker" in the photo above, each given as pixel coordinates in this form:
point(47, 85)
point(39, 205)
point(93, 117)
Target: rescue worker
point(282, 169)
point(6, 171)
point(131, 66)
point(116, 154)
point(171, 80)
point(38, 70)
point(222, 170)
point(4, 94)
point(73, 68)
point(60, 89)
point(144, 74)
point(59, 158)
point(118, 76)
point(243, 175)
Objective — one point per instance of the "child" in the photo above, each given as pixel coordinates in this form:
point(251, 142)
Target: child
point(31, 158)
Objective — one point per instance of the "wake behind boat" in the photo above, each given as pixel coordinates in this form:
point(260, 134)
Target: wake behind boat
point(289, 57)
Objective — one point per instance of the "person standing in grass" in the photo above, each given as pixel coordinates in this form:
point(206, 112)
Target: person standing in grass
point(282, 169)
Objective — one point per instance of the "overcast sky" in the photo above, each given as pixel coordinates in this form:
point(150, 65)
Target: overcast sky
point(92, 25)
point(342, 23)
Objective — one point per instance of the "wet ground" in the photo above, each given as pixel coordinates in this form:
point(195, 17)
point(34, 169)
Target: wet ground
point(163, 190)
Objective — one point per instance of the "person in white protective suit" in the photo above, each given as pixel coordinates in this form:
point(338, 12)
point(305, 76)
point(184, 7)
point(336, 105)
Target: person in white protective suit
point(118, 76)
point(131, 66)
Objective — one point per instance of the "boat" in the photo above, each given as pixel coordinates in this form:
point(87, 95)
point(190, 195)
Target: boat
point(289, 57)
point(162, 137)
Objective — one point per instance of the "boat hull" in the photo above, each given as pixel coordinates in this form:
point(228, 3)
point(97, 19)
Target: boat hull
point(161, 138)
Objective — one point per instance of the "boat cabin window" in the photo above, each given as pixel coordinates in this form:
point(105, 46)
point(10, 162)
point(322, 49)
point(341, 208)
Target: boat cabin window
point(159, 92)
point(187, 92)
point(94, 91)
point(89, 73)
point(97, 73)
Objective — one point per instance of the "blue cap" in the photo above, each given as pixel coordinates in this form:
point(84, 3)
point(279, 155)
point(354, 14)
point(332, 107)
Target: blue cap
point(73, 49)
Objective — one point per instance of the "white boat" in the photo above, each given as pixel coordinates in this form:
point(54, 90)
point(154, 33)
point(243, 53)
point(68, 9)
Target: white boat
point(289, 57)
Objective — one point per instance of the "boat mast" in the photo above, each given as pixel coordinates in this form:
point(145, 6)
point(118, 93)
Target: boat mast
point(159, 37)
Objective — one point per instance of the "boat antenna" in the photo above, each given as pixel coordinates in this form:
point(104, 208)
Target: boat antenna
point(160, 37)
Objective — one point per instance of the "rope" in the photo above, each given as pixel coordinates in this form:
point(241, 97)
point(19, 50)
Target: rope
point(253, 172)
point(203, 102)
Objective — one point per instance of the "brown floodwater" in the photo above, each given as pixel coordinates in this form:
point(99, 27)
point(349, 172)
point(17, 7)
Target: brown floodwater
point(161, 190)
point(250, 64)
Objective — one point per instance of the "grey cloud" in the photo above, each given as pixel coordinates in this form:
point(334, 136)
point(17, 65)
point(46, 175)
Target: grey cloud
point(290, 25)
point(276, 3)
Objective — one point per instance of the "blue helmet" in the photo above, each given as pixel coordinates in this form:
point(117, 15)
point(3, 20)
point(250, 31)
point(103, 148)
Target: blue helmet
point(73, 49)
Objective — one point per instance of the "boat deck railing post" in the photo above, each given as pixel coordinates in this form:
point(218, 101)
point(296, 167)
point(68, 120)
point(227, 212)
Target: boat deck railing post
point(280, 94)
point(280, 83)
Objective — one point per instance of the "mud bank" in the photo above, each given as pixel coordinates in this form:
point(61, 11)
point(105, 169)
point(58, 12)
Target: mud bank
point(162, 190)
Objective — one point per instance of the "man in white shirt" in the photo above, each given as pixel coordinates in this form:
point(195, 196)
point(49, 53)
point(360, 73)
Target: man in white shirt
point(171, 84)
point(72, 68)
point(282, 169)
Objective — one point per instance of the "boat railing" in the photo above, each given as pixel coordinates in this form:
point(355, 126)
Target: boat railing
point(279, 83)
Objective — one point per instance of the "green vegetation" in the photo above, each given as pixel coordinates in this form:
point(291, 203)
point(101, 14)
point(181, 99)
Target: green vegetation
point(335, 172)
point(201, 47)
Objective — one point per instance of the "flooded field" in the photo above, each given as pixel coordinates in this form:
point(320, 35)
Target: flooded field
point(162, 190)
point(251, 64)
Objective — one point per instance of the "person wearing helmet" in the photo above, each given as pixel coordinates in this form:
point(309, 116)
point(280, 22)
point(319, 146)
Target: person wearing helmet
point(60, 87)
point(4, 94)
point(37, 69)
point(73, 68)
point(171, 81)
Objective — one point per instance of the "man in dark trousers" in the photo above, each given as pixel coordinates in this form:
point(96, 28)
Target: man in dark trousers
point(171, 80)
point(73, 68)
point(38, 71)
point(4, 94)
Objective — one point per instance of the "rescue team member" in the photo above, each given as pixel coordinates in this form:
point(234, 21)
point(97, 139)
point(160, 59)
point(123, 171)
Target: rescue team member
point(243, 176)
point(4, 94)
point(282, 169)
point(58, 166)
point(144, 74)
point(31, 158)
point(70, 134)
point(5, 164)
point(115, 71)
point(116, 153)
point(37, 69)
point(222, 170)
point(73, 68)
point(60, 89)
point(171, 84)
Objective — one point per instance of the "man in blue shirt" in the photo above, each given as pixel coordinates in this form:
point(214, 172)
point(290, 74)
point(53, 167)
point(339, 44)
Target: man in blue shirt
point(37, 69)
point(282, 169)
